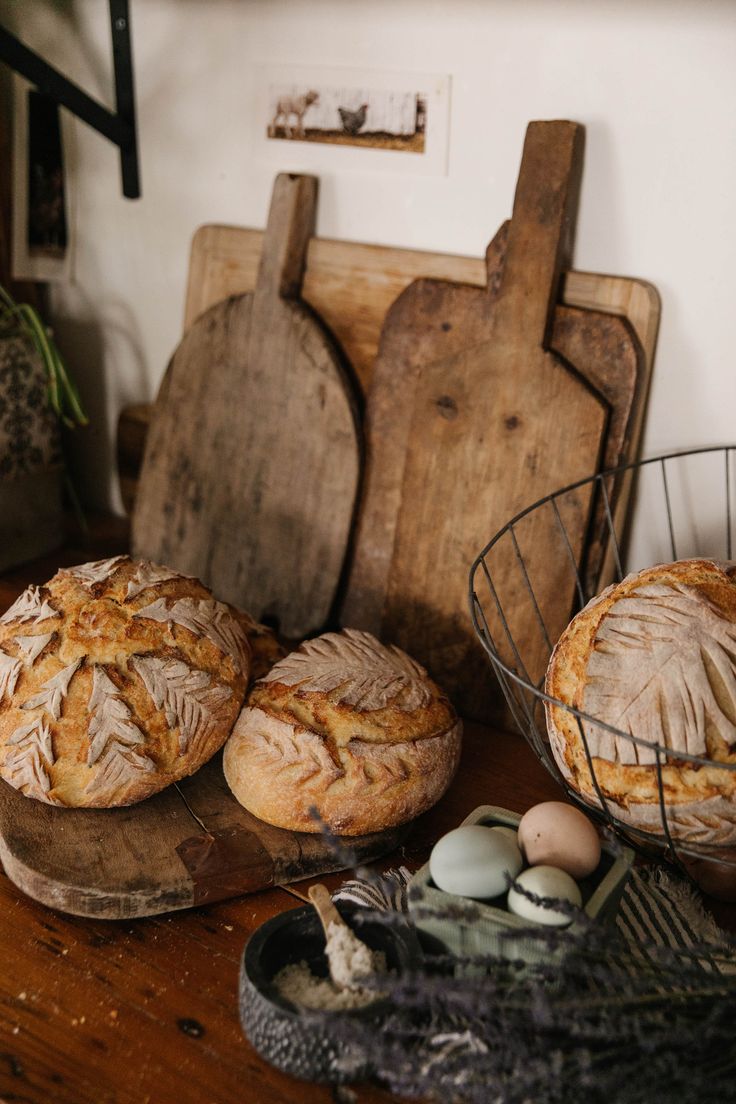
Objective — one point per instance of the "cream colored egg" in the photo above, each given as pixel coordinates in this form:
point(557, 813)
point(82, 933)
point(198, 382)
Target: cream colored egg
point(474, 861)
point(556, 834)
point(547, 882)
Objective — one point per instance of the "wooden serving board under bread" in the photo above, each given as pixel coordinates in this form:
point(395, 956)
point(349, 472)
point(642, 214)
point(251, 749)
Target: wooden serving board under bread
point(192, 844)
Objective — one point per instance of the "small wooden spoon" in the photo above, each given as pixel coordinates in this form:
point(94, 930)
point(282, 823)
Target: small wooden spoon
point(350, 960)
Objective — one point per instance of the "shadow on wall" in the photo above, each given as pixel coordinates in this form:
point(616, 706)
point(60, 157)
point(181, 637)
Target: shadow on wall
point(88, 450)
point(89, 347)
point(602, 178)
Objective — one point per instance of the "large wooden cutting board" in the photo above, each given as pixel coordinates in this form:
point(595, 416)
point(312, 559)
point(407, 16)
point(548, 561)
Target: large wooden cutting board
point(190, 845)
point(352, 286)
point(604, 348)
point(495, 420)
point(252, 460)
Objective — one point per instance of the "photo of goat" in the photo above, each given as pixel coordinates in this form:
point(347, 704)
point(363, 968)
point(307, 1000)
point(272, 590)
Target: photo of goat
point(290, 108)
point(379, 119)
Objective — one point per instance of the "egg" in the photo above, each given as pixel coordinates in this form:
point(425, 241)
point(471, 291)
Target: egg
point(556, 834)
point(510, 833)
point(543, 881)
point(474, 861)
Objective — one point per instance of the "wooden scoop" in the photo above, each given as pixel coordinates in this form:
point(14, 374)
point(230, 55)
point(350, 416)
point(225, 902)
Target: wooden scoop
point(349, 959)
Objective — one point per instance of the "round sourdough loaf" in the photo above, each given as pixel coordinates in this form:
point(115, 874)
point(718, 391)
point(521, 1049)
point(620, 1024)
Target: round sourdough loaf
point(116, 678)
point(346, 726)
point(654, 657)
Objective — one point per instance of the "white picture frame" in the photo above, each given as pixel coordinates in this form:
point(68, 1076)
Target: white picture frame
point(354, 86)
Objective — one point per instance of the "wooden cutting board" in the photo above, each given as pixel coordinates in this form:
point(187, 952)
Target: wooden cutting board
point(494, 420)
point(604, 348)
point(192, 844)
point(352, 287)
point(252, 460)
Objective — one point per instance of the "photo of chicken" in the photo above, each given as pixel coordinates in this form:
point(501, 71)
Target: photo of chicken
point(374, 118)
point(352, 121)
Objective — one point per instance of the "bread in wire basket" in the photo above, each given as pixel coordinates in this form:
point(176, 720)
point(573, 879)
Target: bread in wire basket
point(116, 679)
point(348, 727)
point(654, 657)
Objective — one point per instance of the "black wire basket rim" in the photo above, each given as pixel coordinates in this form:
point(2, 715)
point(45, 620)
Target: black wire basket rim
point(661, 751)
point(595, 477)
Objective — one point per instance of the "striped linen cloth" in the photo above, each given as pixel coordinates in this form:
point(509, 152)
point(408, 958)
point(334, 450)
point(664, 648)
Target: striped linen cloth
point(656, 909)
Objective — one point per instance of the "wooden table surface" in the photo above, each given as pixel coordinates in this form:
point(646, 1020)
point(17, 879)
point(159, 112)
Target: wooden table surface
point(145, 1011)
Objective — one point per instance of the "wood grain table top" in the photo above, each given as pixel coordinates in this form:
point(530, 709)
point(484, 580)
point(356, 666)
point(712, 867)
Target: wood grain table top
point(145, 1011)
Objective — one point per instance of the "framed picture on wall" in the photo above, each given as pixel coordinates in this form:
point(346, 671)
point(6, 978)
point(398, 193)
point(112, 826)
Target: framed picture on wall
point(310, 117)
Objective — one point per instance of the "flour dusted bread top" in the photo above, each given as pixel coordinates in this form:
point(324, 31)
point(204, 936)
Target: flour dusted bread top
point(348, 726)
point(116, 678)
point(654, 657)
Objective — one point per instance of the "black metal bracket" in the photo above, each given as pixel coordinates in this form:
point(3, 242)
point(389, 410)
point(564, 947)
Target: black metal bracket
point(119, 126)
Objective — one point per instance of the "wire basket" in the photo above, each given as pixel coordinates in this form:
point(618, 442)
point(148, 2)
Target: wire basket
point(532, 578)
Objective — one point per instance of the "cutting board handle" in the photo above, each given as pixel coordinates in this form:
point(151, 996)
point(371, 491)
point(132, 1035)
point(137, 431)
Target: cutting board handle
point(541, 232)
point(495, 257)
point(291, 222)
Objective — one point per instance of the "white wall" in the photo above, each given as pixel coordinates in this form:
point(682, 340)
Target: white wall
point(654, 82)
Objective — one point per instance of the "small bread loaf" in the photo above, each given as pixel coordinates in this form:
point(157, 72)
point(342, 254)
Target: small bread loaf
point(116, 678)
point(349, 727)
point(654, 657)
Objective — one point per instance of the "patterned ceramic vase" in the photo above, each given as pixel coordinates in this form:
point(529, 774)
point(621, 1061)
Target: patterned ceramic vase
point(30, 456)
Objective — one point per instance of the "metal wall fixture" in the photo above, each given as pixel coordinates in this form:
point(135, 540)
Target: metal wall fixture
point(118, 126)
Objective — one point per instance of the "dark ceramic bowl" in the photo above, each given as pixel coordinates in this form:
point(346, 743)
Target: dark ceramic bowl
point(302, 1041)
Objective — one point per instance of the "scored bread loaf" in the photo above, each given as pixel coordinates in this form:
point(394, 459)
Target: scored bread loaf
point(654, 657)
point(116, 678)
point(349, 727)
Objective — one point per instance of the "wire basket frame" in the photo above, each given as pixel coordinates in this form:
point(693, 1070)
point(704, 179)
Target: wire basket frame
point(685, 502)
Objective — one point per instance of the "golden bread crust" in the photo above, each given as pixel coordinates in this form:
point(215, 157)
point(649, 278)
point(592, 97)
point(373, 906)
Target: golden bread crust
point(346, 726)
point(117, 678)
point(651, 657)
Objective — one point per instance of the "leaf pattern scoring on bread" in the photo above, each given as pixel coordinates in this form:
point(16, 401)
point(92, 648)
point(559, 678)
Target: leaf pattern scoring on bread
point(150, 574)
point(97, 571)
point(28, 761)
point(53, 691)
point(300, 752)
point(10, 668)
point(114, 738)
point(662, 656)
point(203, 617)
point(32, 646)
point(30, 606)
point(368, 675)
point(186, 696)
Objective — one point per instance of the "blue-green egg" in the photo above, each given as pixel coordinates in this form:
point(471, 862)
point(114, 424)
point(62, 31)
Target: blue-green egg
point(474, 861)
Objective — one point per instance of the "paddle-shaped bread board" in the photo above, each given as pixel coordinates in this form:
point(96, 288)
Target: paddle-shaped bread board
point(252, 460)
point(495, 424)
point(604, 348)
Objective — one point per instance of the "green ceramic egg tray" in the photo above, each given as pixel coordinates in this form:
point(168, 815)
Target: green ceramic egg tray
point(468, 927)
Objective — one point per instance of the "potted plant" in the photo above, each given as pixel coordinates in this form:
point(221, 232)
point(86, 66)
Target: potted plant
point(37, 397)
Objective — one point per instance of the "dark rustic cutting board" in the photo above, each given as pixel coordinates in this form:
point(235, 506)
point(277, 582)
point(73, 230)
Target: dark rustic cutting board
point(252, 460)
point(603, 347)
point(471, 417)
point(192, 844)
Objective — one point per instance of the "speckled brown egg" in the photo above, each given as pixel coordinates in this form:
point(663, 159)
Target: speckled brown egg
point(554, 833)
